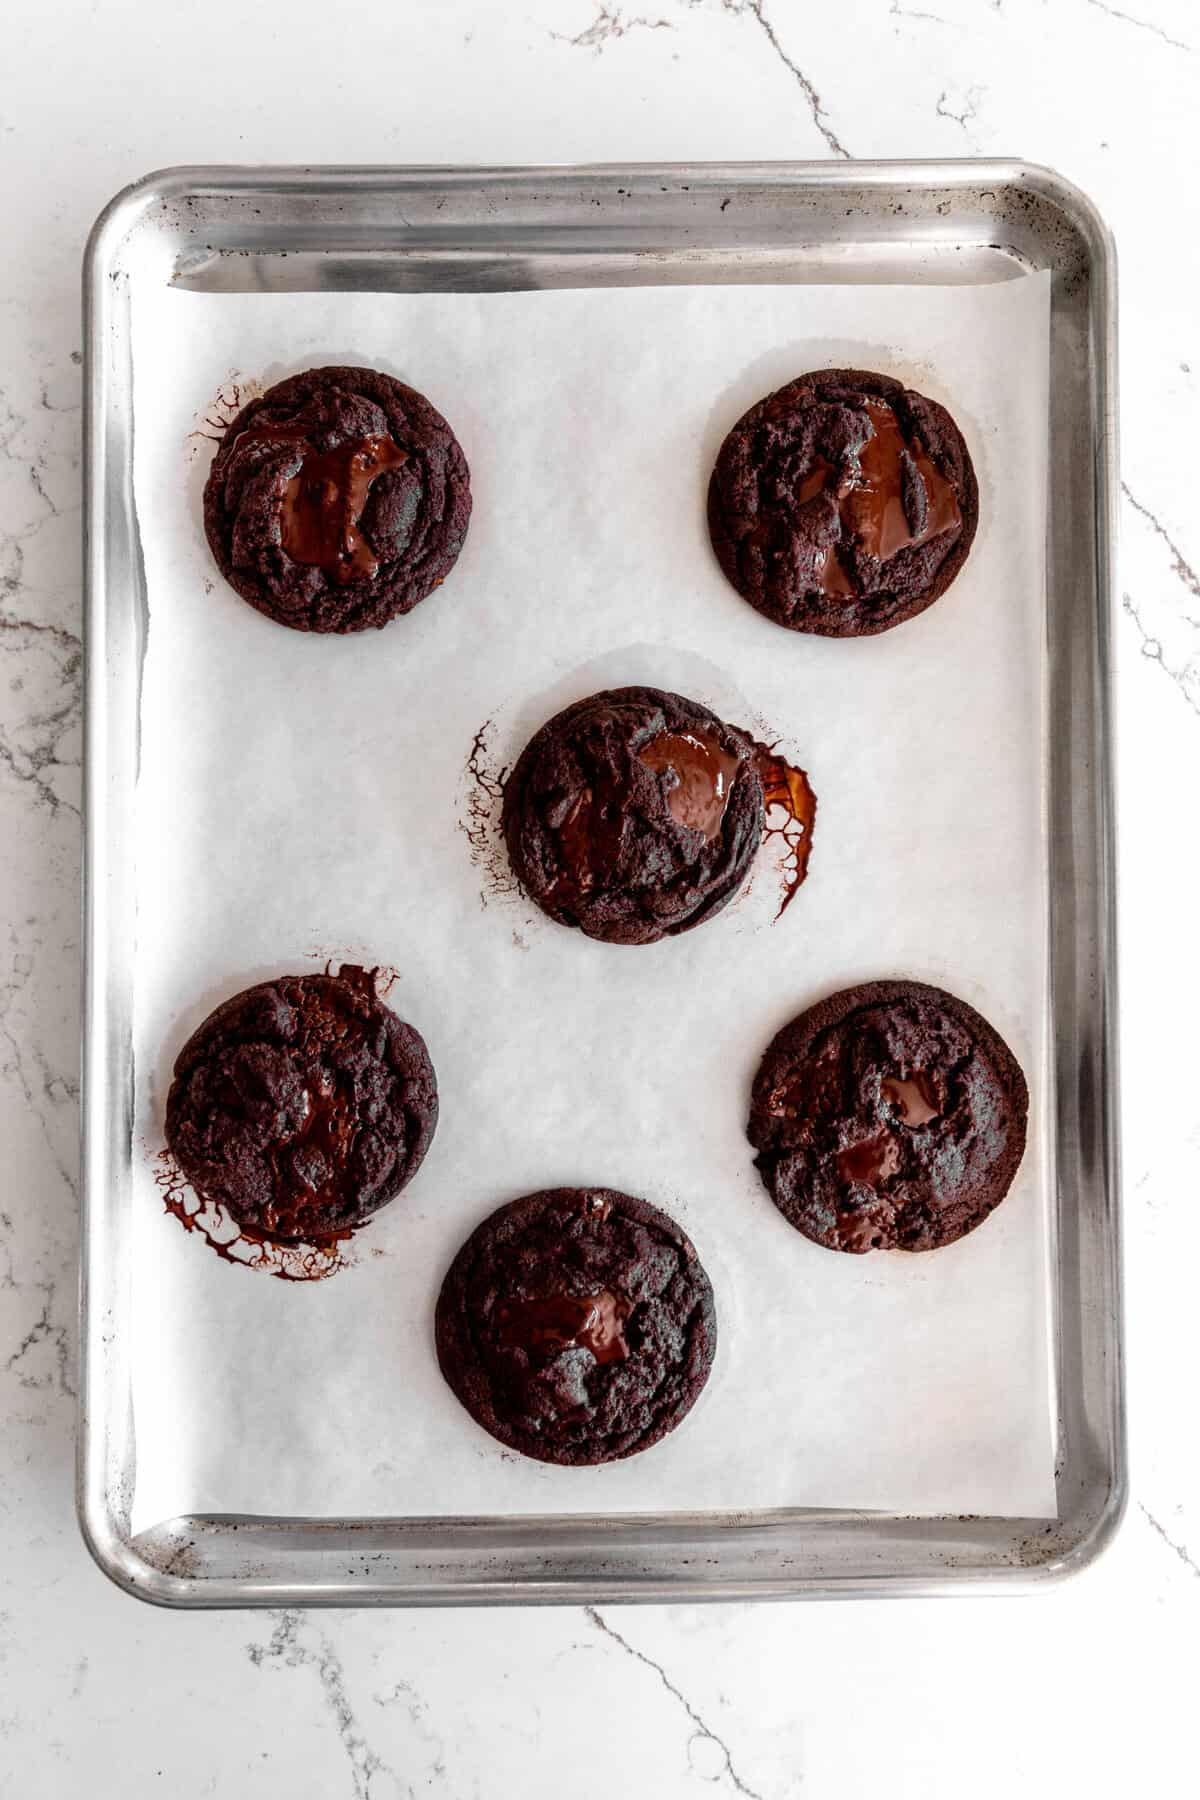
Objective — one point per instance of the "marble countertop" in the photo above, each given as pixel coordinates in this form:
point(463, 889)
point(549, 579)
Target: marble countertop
point(1086, 1688)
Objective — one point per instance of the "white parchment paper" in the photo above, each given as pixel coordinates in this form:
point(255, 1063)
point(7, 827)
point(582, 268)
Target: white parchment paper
point(304, 798)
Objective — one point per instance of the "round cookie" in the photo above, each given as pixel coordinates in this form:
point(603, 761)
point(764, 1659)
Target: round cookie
point(843, 503)
point(336, 500)
point(577, 1325)
point(634, 814)
point(889, 1117)
point(302, 1105)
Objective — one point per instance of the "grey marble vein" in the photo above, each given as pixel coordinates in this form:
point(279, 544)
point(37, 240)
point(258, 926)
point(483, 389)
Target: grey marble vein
point(1166, 626)
point(15, 1065)
point(1180, 566)
point(971, 99)
point(51, 1088)
point(66, 640)
point(816, 105)
point(1141, 24)
point(403, 1693)
point(30, 765)
point(298, 1642)
point(56, 1337)
point(39, 501)
point(608, 25)
point(1179, 1549)
point(1153, 650)
point(896, 11)
point(702, 1730)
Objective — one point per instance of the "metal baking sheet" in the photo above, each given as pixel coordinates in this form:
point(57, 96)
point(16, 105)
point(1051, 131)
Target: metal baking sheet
point(222, 231)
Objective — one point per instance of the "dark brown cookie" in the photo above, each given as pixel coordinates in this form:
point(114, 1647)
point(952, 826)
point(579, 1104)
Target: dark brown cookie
point(577, 1325)
point(337, 500)
point(843, 503)
point(633, 814)
point(889, 1117)
point(302, 1105)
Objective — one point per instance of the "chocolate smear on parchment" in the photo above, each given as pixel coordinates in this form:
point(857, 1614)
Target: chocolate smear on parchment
point(211, 1222)
point(791, 809)
point(485, 777)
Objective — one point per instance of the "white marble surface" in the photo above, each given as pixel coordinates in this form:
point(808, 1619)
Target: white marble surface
point(1087, 1688)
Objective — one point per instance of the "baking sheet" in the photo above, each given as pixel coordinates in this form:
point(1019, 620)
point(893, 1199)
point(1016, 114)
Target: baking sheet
point(304, 798)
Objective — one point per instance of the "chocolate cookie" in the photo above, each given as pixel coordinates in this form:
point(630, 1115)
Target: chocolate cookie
point(577, 1325)
point(889, 1117)
point(843, 503)
point(337, 500)
point(633, 814)
point(302, 1105)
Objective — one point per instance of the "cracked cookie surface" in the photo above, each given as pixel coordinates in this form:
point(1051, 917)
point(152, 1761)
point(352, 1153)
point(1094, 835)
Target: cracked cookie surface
point(891, 1116)
point(633, 814)
point(577, 1325)
point(302, 1105)
point(337, 500)
point(843, 503)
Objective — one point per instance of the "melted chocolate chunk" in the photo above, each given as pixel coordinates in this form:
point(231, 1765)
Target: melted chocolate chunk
point(859, 1156)
point(577, 1325)
point(843, 503)
point(870, 1162)
point(323, 504)
point(889, 495)
point(822, 476)
point(898, 497)
point(589, 839)
point(337, 500)
point(703, 773)
point(317, 1151)
point(562, 1321)
point(633, 814)
point(301, 1106)
point(830, 574)
point(914, 1099)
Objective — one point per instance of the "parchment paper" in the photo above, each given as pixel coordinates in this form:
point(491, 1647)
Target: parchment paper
point(303, 798)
